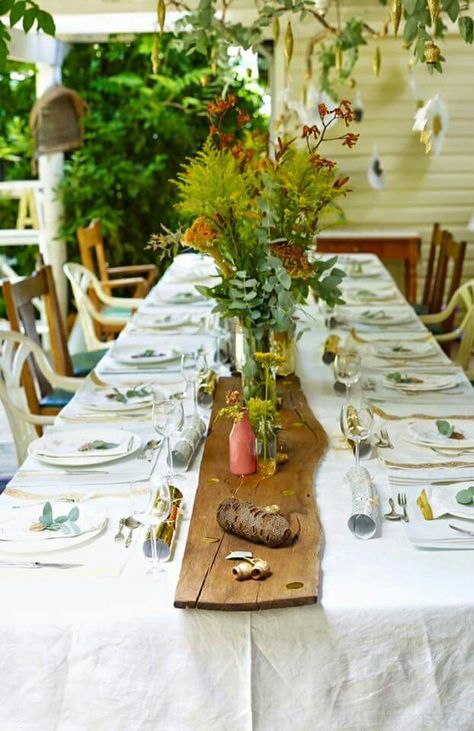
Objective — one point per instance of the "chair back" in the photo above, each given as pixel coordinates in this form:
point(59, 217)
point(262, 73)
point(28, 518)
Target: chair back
point(16, 350)
point(83, 282)
point(19, 301)
point(436, 237)
point(92, 250)
point(450, 264)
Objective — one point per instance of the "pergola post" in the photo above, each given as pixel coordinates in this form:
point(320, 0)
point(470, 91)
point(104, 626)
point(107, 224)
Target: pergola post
point(51, 170)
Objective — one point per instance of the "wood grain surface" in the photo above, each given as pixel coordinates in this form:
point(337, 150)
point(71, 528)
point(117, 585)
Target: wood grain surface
point(206, 580)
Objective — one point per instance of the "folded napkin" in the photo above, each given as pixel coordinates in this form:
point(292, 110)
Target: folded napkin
point(438, 501)
point(186, 442)
point(69, 444)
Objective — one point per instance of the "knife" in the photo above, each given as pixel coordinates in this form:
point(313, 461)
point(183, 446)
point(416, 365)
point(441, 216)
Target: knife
point(37, 565)
point(462, 530)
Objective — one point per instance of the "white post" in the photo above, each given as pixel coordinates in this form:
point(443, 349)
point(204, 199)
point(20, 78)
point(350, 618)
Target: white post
point(51, 170)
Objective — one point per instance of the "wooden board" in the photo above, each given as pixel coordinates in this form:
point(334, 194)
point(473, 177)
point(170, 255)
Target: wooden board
point(206, 580)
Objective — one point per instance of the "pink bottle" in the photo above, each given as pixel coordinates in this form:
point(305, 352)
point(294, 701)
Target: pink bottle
point(242, 452)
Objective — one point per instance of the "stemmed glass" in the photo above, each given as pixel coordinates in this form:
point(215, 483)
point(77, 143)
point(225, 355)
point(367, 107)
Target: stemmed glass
point(357, 420)
point(168, 417)
point(191, 366)
point(347, 368)
point(151, 505)
point(218, 328)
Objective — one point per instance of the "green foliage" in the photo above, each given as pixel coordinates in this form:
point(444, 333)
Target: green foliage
point(65, 523)
point(29, 13)
point(139, 129)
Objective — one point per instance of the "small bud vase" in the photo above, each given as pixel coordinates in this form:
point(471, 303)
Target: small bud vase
point(242, 455)
point(267, 447)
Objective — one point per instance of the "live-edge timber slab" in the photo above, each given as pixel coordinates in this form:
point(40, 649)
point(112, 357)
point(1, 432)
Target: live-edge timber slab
point(206, 580)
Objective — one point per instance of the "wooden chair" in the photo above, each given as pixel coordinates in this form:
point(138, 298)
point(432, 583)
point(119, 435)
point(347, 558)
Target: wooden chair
point(139, 277)
point(16, 351)
point(20, 299)
point(451, 256)
point(424, 307)
point(462, 302)
point(93, 319)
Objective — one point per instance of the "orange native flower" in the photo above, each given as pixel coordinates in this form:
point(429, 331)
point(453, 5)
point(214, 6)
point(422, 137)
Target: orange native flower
point(294, 260)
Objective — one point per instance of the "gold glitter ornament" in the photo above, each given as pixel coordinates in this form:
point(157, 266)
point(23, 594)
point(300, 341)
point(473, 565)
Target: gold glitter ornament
point(161, 14)
point(276, 29)
point(377, 61)
point(434, 6)
point(396, 14)
point(289, 43)
point(155, 54)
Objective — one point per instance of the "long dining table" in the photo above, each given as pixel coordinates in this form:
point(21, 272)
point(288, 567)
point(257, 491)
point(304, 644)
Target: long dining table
point(388, 646)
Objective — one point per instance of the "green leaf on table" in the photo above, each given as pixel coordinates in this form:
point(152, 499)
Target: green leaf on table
point(47, 516)
point(117, 396)
point(464, 497)
point(148, 353)
point(97, 444)
point(445, 428)
point(73, 513)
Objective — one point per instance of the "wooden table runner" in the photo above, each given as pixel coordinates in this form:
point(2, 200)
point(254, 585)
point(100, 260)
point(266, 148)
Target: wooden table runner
point(206, 580)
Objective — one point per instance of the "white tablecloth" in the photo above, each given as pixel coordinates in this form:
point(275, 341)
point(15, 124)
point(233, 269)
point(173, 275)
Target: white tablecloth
point(388, 647)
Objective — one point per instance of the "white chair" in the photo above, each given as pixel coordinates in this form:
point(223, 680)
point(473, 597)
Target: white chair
point(83, 282)
point(15, 349)
point(462, 299)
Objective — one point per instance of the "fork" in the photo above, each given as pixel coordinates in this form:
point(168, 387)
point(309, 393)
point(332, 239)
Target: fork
point(402, 501)
point(384, 435)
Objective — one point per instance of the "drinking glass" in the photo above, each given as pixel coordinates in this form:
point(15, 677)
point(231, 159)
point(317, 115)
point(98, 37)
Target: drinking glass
point(191, 366)
point(168, 417)
point(151, 505)
point(347, 368)
point(357, 420)
point(218, 327)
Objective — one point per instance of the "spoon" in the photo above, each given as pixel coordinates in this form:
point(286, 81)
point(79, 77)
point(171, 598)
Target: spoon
point(131, 524)
point(392, 515)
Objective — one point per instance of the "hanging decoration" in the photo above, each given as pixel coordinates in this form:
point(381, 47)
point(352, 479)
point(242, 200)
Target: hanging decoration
point(375, 172)
point(431, 121)
point(358, 107)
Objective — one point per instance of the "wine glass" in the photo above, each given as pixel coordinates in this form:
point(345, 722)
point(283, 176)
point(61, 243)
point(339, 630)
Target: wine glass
point(168, 417)
point(192, 364)
point(347, 368)
point(357, 420)
point(218, 327)
point(151, 505)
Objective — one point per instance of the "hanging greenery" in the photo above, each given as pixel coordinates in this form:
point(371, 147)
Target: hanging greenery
point(30, 14)
point(422, 24)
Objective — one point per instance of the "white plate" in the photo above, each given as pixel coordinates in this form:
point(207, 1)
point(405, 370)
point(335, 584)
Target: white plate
point(385, 319)
point(182, 298)
point(128, 355)
point(409, 350)
point(160, 322)
point(23, 542)
point(366, 295)
point(427, 434)
point(429, 383)
point(99, 401)
point(88, 459)
point(365, 273)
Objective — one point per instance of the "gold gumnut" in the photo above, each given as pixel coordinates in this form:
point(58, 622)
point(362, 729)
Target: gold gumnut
point(289, 43)
point(432, 53)
point(161, 14)
point(377, 60)
point(396, 14)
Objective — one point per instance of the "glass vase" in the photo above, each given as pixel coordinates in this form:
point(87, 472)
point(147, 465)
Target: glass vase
point(267, 448)
point(255, 384)
point(284, 344)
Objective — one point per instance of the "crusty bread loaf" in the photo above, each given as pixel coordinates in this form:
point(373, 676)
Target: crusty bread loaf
point(254, 523)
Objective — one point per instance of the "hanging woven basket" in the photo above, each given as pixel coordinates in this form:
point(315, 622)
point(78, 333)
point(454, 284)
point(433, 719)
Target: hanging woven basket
point(56, 121)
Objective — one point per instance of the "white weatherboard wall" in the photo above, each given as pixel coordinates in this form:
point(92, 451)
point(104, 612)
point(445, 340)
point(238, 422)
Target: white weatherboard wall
point(420, 188)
